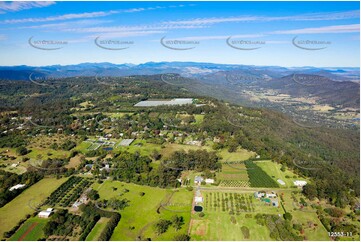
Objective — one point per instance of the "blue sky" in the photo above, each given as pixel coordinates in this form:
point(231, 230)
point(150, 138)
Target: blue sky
point(323, 34)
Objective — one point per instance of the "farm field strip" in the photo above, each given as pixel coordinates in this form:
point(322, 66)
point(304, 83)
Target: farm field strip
point(97, 230)
point(32, 229)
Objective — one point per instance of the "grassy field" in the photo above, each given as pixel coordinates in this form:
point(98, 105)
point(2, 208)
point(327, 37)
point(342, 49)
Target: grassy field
point(313, 228)
point(199, 118)
point(45, 153)
point(32, 229)
point(170, 148)
point(74, 161)
point(8, 162)
point(116, 115)
point(239, 155)
point(228, 227)
point(138, 219)
point(83, 147)
point(97, 230)
point(141, 146)
point(274, 171)
point(22, 205)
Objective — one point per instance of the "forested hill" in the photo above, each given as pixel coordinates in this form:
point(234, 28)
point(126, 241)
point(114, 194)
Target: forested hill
point(330, 156)
point(327, 91)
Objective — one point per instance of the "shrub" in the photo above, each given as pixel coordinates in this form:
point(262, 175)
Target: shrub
point(181, 237)
point(287, 216)
point(248, 215)
point(245, 232)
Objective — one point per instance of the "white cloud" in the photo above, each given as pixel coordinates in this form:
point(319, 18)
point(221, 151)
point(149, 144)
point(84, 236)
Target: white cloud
point(65, 25)
point(76, 15)
point(351, 28)
point(61, 17)
point(19, 6)
point(131, 28)
point(217, 37)
point(126, 34)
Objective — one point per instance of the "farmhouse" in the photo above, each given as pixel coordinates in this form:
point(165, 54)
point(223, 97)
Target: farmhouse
point(271, 195)
point(262, 194)
point(300, 183)
point(194, 142)
point(259, 194)
point(106, 168)
point(46, 213)
point(18, 186)
point(198, 179)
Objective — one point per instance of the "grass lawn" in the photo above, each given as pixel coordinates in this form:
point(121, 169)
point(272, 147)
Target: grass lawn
point(116, 115)
point(97, 230)
point(274, 171)
point(139, 145)
point(22, 205)
point(83, 147)
point(74, 161)
point(219, 218)
point(233, 172)
point(239, 155)
point(144, 211)
point(199, 118)
point(308, 221)
point(170, 148)
point(218, 226)
point(45, 153)
point(34, 229)
point(18, 170)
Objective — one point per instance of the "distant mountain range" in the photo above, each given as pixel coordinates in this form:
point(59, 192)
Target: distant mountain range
point(333, 86)
point(186, 69)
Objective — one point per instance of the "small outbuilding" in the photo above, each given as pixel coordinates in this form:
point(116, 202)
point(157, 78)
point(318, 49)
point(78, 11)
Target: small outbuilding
point(209, 181)
point(46, 214)
point(18, 186)
point(198, 199)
